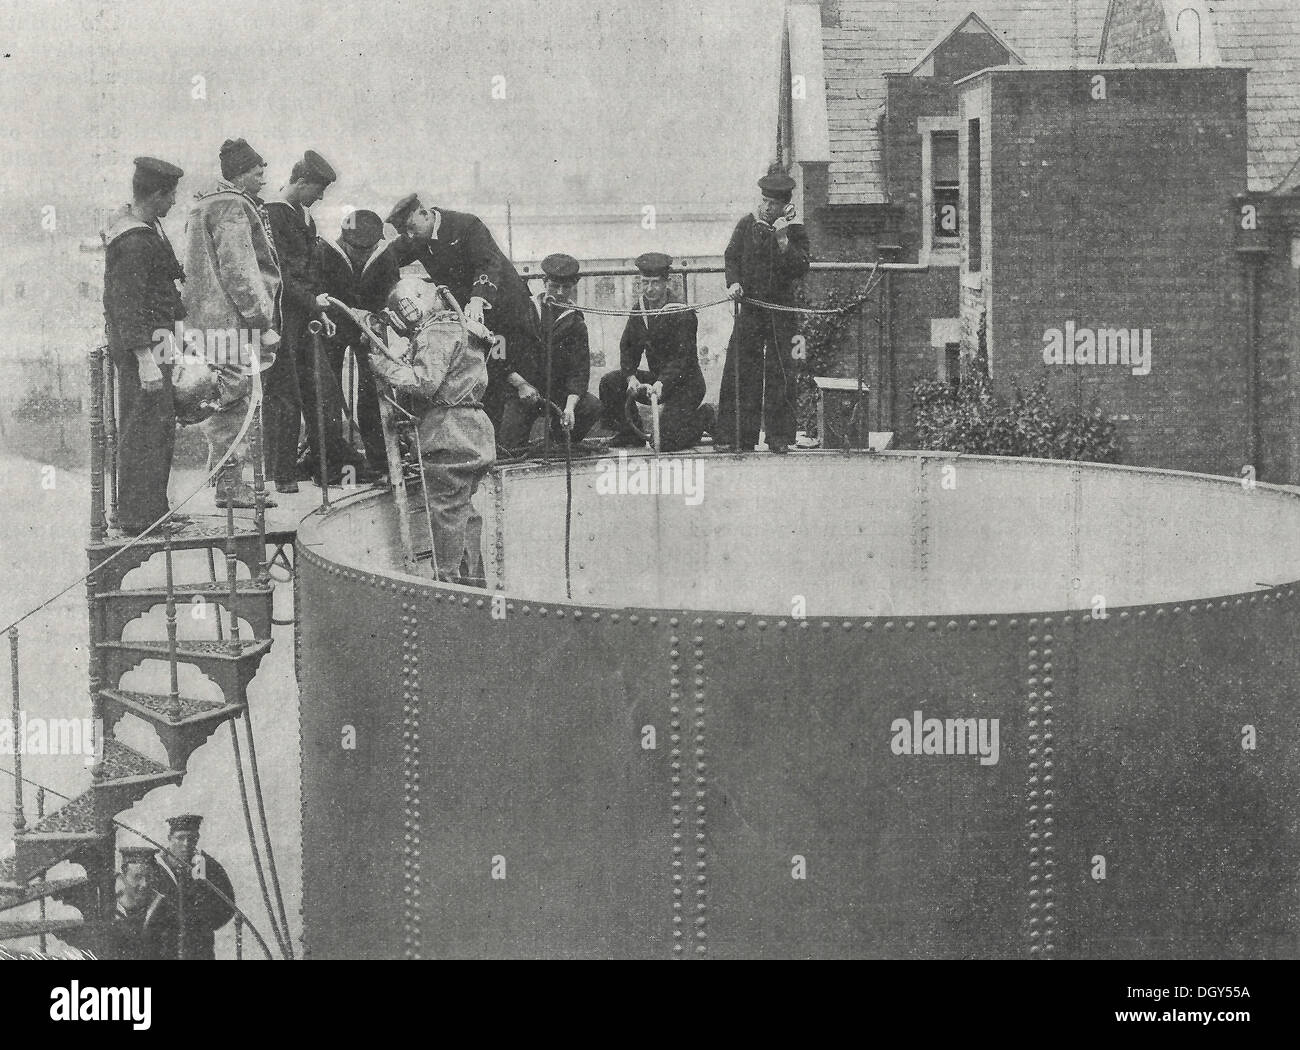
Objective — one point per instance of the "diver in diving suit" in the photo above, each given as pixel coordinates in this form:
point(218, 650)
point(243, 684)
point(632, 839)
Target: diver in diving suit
point(445, 369)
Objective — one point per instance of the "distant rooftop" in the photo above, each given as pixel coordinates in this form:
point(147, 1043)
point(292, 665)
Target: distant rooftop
point(1261, 34)
point(862, 40)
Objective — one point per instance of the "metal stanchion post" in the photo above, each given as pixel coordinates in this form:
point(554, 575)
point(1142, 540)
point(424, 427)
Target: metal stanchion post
point(550, 332)
point(314, 327)
point(259, 474)
point(735, 314)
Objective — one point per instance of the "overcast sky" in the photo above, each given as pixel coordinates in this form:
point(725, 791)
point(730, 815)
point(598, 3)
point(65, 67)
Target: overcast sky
point(637, 100)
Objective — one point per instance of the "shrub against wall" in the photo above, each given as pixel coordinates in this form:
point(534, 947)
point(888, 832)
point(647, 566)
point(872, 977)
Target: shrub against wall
point(972, 420)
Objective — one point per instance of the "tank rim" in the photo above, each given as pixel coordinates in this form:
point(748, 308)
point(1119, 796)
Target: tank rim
point(473, 599)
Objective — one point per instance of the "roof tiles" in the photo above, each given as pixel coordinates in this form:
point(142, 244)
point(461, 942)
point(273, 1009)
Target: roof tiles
point(875, 37)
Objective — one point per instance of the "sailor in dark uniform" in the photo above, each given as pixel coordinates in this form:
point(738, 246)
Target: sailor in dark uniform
point(290, 385)
point(664, 334)
point(142, 301)
point(359, 269)
point(570, 359)
point(457, 250)
point(767, 254)
point(141, 916)
point(186, 878)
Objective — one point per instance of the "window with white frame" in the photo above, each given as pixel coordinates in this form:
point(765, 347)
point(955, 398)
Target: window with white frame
point(945, 188)
point(940, 189)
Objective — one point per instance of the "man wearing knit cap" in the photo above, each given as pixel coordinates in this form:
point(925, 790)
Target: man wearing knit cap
point(232, 295)
point(291, 384)
point(767, 254)
point(457, 250)
point(187, 879)
point(142, 303)
point(358, 269)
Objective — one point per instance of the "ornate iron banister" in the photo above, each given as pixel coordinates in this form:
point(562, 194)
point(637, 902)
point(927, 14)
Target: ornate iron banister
point(174, 695)
point(108, 379)
point(20, 822)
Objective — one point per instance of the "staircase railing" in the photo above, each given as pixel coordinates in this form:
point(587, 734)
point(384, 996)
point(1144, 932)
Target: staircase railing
point(173, 667)
point(110, 434)
point(20, 822)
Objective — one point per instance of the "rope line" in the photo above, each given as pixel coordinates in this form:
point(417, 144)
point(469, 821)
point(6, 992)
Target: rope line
point(266, 831)
point(281, 935)
point(252, 844)
point(762, 304)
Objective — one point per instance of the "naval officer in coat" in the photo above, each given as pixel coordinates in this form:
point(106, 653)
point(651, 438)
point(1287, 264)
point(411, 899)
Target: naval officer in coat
point(456, 249)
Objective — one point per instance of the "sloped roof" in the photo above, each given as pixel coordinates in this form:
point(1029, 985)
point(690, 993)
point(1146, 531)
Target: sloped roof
point(1265, 35)
point(875, 37)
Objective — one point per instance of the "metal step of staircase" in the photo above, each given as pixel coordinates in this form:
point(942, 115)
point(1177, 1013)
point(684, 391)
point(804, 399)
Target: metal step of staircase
point(231, 665)
point(14, 894)
point(124, 777)
point(182, 731)
point(201, 535)
point(58, 836)
point(252, 601)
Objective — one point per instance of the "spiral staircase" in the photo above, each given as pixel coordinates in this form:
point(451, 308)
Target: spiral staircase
point(82, 831)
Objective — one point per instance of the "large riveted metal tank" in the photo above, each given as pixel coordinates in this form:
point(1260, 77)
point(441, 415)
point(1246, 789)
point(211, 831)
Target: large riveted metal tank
point(897, 705)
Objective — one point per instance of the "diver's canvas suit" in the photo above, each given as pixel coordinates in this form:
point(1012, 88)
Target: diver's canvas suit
point(448, 375)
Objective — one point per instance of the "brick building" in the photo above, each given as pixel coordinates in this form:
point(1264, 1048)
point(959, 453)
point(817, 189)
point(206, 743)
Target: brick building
point(1073, 175)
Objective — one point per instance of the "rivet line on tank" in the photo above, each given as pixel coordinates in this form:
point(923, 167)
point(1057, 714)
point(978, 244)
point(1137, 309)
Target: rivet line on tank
point(411, 791)
point(701, 786)
point(675, 777)
point(1040, 803)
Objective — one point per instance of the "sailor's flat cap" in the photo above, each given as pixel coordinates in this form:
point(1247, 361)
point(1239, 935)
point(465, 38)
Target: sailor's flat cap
point(402, 209)
point(362, 228)
point(137, 855)
point(159, 168)
point(184, 822)
point(318, 167)
point(777, 186)
point(561, 267)
point(654, 264)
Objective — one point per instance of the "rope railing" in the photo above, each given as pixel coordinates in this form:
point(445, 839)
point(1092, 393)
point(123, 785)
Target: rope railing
point(874, 272)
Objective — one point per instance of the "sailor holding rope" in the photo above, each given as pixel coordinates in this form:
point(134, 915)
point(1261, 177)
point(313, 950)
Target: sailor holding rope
point(768, 252)
point(663, 334)
point(568, 358)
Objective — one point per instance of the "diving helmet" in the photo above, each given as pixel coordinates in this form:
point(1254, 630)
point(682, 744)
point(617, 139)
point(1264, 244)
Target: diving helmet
point(195, 390)
point(413, 301)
